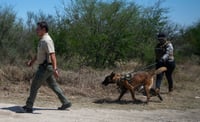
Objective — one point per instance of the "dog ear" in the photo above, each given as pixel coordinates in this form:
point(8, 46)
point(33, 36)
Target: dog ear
point(112, 74)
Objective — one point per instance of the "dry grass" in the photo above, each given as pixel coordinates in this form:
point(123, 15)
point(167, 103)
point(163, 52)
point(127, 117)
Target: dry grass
point(83, 87)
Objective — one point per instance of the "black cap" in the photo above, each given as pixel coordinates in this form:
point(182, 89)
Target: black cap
point(161, 36)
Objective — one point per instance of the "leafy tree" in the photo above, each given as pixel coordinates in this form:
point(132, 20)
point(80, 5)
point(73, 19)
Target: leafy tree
point(10, 35)
point(89, 32)
point(100, 31)
point(192, 36)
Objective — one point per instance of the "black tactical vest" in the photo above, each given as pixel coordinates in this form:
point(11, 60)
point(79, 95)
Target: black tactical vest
point(160, 50)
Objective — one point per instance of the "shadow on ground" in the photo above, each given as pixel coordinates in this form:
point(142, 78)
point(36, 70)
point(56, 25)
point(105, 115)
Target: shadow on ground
point(19, 109)
point(109, 101)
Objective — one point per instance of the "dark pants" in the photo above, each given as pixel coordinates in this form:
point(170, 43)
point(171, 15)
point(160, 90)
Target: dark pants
point(44, 73)
point(170, 68)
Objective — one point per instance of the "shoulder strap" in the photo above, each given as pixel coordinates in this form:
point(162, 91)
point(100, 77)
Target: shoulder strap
point(165, 44)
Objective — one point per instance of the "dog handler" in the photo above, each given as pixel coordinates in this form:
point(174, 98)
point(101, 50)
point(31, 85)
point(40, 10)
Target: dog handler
point(47, 69)
point(164, 57)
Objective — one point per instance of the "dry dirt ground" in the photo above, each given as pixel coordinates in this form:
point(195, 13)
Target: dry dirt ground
point(99, 110)
point(45, 114)
point(92, 103)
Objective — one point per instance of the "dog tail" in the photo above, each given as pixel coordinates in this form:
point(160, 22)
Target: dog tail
point(159, 70)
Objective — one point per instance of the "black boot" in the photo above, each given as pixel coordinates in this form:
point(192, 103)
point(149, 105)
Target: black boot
point(27, 110)
point(65, 106)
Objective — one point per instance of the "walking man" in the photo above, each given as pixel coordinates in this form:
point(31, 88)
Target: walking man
point(47, 69)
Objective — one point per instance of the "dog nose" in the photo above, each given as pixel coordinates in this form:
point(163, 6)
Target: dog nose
point(104, 83)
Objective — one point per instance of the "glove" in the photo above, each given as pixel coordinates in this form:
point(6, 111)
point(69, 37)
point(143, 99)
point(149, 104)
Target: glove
point(161, 61)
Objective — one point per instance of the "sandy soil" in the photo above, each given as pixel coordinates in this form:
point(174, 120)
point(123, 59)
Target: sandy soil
point(8, 113)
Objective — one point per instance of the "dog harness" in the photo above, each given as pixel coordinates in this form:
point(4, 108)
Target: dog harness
point(127, 77)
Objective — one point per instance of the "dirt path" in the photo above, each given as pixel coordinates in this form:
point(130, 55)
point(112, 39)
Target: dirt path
point(41, 114)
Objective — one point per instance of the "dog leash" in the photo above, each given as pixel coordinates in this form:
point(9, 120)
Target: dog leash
point(144, 68)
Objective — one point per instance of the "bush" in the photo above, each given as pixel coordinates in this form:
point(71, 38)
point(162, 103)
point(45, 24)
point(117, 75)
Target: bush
point(93, 33)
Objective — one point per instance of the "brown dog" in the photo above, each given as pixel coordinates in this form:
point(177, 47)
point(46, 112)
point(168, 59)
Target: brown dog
point(136, 81)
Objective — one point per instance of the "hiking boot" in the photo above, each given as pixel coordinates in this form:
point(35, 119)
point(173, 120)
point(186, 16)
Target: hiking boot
point(153, 92)
point(171, 90)
point(65, 106)
point(157, 91)
point(27, 110)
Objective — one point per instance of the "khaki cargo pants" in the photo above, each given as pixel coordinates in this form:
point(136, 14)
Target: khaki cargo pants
point(44, 73)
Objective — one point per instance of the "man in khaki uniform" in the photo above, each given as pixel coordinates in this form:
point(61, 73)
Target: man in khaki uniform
point(47, 70)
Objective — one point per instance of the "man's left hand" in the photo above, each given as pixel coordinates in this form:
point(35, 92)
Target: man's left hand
point(56, 74)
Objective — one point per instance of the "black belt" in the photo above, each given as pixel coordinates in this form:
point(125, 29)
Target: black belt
point(45, 64)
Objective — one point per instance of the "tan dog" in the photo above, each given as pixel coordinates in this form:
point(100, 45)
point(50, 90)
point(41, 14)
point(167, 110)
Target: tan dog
point(137, 80)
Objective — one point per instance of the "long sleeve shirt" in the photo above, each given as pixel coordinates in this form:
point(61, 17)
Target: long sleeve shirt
point(164, 51)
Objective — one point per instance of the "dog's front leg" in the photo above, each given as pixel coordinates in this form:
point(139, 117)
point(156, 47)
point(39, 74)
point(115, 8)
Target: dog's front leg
point(131, 89)
point(133, 94)
point(123, 91)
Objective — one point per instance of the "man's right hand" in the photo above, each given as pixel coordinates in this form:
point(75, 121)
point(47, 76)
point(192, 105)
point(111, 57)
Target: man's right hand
point(31, 61)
